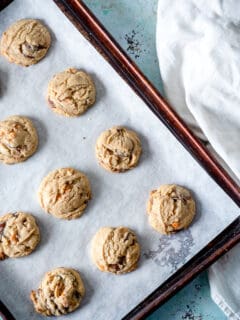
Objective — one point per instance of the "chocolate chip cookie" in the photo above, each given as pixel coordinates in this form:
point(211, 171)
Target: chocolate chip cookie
point(170, 208)
point(19, 235)
point(118, 149)
point(64, 193)
point(71, 92)
point(25, 42)
point(60, 292)
point(18, 139)
point(115, 250)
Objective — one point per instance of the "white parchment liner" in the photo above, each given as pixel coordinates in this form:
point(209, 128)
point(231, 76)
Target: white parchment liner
point(118, 199)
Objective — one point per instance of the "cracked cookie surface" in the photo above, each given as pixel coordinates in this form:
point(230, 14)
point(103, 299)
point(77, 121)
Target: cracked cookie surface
point(25, 42)
point(118, 149)
point(19, 235)
point(170, 208)
point(18, 139)
point(60, 292)
point(64, 193)
point(71, 92)
point(115, 250)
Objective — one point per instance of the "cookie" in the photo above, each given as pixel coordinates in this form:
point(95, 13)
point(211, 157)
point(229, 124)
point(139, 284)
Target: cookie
point(60, 292)
point(115, 250)
point(19, 235)
point(25, 42)
point(170, 208)
point(118, 149)
point(18, 139)
point(71, 92)
point(64, 193)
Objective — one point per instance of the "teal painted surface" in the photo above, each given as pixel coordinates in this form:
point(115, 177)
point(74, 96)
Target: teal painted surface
point(191, 303)
point(133, 25)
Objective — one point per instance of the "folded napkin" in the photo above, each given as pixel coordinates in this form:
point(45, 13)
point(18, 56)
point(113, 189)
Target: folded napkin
point(198, 45)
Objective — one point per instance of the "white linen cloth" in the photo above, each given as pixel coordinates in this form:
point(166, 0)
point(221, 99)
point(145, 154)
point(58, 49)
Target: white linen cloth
point(198, 45)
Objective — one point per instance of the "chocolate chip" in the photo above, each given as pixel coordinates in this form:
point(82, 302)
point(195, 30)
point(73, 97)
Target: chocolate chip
point(28, 50)
point(122, 260)
point(115, 267)
point(181, 198)
point(77, 295)
point(2, 226)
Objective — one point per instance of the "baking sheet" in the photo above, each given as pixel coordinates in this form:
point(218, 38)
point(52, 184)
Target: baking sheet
point(118, 199)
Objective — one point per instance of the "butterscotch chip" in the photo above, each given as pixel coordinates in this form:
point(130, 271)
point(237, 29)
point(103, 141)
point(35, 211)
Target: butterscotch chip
point(115, 250)
point(118, 149)
point(170, 208)
point(25, 42)
point(71, 92)
point(64, 193)
point(18, 139)
point(60, 292)
point(19, 235)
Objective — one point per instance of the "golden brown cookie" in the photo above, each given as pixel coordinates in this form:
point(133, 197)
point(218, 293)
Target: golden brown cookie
point(170, 208)
point(19, 235)
point(118, 149)
point(60, 292)
point(25, 42)
point(64, 193)
point(71, 92)
point(115, 250)
point(18, 139)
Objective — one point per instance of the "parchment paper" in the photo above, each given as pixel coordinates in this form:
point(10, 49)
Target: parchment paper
point(118, 199)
